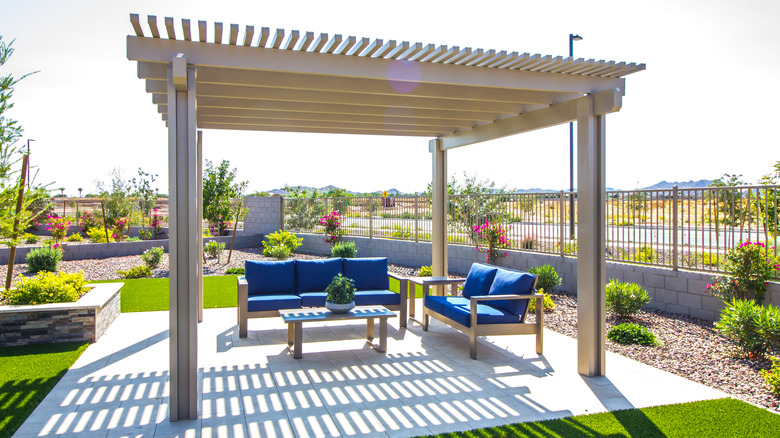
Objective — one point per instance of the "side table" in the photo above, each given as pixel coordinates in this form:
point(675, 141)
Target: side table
point(426, 283)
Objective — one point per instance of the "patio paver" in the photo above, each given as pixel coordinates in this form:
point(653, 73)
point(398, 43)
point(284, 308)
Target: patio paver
point(426, 383)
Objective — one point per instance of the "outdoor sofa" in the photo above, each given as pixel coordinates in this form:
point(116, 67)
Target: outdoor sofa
point(494, 301)
point(269, 286)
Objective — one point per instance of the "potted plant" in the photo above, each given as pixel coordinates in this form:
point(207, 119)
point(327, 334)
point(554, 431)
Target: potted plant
point(341, 294)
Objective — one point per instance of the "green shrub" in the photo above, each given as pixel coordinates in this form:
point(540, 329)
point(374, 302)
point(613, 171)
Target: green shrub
point(133, 239)
point(139, 271)
point(280, 252)
point(748, 270)
point(285, 238)
point(30, 238)
point(401, 232)
point(98, 234)
point(346, 249)
point(772, 376)
point(625, 299)
point(47, 287)
point(153, 256)
point(547, 277)
point(75, 238)
point(755, 328)
point(630, 333)
point(214, 248)
point(235, 271)
point(43, 259)
point(425, 271)
point(341, 290)
point(145, 234)
point(645, 254)
point(547, 303)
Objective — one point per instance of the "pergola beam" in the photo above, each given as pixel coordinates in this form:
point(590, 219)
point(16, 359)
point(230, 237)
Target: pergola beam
point(260, 58)
point(605, 101)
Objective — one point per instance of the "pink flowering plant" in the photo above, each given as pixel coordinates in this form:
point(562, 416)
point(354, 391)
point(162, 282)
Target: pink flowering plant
point(58, 227)
point(332, 224)
point(749, 268)
point(120, 229)
point(490, 238)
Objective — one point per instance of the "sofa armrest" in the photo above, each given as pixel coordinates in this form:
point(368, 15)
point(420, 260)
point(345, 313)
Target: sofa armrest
point(403, 290)
point(477, 298)
point(396, 276)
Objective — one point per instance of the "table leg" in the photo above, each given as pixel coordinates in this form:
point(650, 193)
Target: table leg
point(382, 335)
point(370, 329)
point(297, 350)
point(411, 296)
point(290, 334)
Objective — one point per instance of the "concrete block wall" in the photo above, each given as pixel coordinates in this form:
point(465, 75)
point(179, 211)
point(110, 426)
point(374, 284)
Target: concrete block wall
point(264, 216)
point(682, 292)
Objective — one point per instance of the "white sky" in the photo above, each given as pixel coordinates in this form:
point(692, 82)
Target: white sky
point(707, 103)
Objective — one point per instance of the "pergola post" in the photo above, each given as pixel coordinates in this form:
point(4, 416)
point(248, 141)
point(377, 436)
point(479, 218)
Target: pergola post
point(199, 198)
point(439, 200)
point(591, 246)
point(184, 231)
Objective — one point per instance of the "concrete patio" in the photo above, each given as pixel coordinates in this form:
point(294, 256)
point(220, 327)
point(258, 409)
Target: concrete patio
point(425, 384)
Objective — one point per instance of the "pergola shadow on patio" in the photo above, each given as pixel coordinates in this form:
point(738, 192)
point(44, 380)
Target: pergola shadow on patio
point(293, 82)
point(425, 384)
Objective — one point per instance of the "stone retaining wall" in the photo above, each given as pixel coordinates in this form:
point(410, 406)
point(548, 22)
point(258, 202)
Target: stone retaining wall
point(85, 320)
point(682, 292)
point(82, 251)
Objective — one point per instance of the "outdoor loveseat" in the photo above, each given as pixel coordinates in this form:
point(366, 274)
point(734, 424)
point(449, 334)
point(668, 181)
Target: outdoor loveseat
point(269, 286)
point(494, 301)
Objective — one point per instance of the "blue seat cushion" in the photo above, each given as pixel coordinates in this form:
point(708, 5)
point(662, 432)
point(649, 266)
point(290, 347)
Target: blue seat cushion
point(258, 303)
point(369, 273)
point(458, 309)
point(270, 277)
point(313, 299)
point(315, 275)
point(436, 303)
point(377, 298)
point(479, 280)
point(512, 283)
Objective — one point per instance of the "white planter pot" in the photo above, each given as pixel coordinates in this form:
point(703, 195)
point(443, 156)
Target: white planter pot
point(340, 308)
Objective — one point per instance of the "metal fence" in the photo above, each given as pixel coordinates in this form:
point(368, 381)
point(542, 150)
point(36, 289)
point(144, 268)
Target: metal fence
point(676, 228)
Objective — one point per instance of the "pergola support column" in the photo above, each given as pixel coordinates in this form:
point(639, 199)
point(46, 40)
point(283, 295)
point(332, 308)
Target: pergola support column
point(184, 233)
point(439, 200)
point(591, 246)
point(199, 198)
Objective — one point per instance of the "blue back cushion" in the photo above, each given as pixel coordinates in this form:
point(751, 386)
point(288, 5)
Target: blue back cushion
point(368, 273)
point(315, 275)
point(270, 277)
point(511, 283)
point(479, 280)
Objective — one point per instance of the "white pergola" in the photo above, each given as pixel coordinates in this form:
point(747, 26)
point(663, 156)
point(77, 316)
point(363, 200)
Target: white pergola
point(258, 79)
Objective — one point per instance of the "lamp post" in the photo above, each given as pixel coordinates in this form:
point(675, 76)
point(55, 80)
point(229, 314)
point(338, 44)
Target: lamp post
point(572, 39)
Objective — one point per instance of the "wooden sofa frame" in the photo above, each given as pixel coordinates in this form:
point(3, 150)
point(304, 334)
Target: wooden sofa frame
point(515, 328)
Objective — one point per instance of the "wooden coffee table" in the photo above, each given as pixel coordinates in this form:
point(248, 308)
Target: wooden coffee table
point(296, 317)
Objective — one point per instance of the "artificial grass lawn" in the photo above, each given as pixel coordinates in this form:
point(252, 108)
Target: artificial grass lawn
point(151, 294)
point(711, 418)
point(27, 374)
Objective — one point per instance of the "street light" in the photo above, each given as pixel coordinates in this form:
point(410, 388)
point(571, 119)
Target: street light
point(572, 39)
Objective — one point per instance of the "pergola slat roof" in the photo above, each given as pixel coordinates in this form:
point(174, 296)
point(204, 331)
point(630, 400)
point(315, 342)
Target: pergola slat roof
point(304, 82)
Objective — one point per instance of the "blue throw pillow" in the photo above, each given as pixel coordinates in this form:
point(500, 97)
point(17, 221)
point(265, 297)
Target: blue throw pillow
point(479, 280)
point(368, 273)
point(511, 283)
point(315, 275)
point(270, 277)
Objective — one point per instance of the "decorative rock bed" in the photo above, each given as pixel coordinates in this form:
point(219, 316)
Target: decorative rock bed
point(84, 320)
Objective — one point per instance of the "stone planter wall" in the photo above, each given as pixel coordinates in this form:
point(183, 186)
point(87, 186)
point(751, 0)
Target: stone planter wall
point(82, 251)
point(85, 320)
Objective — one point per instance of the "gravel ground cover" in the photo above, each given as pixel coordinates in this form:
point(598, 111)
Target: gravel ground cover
point(690, 348)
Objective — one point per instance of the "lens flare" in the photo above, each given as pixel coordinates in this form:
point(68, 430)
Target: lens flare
point(404, 75)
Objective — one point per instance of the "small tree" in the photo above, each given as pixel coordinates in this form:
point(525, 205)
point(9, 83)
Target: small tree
point(303, 209)
point(147, 197)
point(219, 190)
point(116, 199)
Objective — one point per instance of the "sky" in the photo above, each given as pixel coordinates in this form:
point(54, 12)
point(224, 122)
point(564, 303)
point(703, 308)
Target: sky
point(88, 113)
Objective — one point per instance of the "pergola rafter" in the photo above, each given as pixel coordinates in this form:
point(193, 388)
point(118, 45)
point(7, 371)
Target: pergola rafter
point(258, 79)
